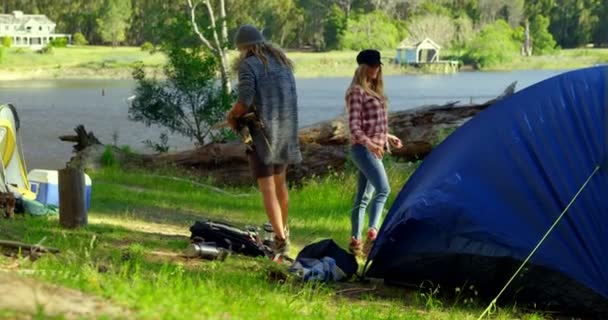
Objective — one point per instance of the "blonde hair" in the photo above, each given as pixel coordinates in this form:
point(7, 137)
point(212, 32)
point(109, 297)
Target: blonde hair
point(261, 51)
point(373, 87)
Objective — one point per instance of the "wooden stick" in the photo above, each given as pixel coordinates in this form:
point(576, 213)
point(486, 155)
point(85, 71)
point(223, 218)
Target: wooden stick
point(355, 290)
point(22, 245)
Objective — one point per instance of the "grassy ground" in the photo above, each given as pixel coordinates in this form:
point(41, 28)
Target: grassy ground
point(75, 63)
point(565, 59)
point(116, 63)
point(138, 222)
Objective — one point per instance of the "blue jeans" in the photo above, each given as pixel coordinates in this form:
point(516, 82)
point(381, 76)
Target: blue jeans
point(372, 177)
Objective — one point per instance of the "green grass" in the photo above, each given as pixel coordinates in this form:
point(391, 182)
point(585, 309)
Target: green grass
point(564, 59)
point(116, 63)
point(76, 62)
point(138, 220)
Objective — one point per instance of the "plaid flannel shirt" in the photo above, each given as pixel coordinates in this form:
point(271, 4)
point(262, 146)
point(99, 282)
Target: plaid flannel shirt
point(367, 118)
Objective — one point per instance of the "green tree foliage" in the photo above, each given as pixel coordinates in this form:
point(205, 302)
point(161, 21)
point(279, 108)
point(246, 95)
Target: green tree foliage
point(79, 39)
point(542, 40)
point(464, 32)
point(573, 22)
point(113, 21)
point(600, 36)
point(509, 10)
point(372, 30)
point(189, 100)
point(280, 20)
point(334, 28)
point(438, 27)
point(7, 42)
point(316, 23)
point(496, 43)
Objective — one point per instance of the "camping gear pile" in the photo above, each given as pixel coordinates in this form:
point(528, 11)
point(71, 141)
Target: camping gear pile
point(322, 261)
point(36, 192)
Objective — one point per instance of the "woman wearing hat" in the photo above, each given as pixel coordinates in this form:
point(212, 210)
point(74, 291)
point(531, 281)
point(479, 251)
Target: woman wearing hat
point(266, 82)
point(368, 122)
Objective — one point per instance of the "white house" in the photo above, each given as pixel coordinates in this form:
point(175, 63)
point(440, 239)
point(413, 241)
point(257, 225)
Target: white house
point(29, 30)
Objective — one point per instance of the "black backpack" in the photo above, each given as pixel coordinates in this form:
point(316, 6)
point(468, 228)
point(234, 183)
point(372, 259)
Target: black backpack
point(229, 237)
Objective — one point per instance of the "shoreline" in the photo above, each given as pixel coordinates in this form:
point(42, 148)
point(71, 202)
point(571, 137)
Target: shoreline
point(76, 74)
point(104, 63)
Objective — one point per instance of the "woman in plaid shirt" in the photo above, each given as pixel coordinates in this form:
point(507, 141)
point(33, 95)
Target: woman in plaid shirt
point(368, 121)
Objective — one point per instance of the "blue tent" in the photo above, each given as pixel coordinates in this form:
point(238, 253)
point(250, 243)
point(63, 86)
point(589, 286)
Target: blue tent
point(482, 200)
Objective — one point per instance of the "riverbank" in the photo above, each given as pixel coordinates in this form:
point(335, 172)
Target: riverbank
point(126, 256)
point(116, 63)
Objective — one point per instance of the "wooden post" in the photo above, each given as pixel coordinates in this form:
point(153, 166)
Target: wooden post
point(72, 199)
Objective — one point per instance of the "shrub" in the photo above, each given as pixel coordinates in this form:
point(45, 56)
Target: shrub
point(47, 50)
point(189, 101)
point(108, 159)
point(382, 35)
point(59, 43)
point(7, 42)
point(496, 43)
point(79, 39)
point(147, 46)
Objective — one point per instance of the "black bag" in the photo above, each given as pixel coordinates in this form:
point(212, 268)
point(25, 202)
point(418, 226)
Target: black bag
point(328, 248)
point(228, 237)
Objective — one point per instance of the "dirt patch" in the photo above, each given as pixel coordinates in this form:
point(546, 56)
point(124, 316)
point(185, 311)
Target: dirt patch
point(29, 296)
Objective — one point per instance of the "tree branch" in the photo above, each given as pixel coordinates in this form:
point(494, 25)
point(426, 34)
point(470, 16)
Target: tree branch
point(218, 44)
point(224, 21)
point(195, 25)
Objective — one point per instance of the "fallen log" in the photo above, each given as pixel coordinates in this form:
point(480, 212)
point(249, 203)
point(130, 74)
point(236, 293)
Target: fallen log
point(324, 145)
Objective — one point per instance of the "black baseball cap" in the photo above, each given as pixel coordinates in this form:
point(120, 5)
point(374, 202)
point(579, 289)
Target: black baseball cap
point(369, 57)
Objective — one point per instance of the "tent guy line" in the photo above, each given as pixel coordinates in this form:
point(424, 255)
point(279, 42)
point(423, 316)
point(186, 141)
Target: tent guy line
point(523, 264)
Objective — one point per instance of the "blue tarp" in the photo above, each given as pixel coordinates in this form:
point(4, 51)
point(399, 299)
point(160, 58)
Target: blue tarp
point(496, 185)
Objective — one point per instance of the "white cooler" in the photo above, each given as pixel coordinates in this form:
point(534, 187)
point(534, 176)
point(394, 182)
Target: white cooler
point(45, 184)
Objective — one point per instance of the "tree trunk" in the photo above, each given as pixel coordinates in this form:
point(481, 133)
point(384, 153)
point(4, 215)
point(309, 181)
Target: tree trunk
point(527, 45)
point(324, 145)
point(72, 199)
point(224, 72)
point(219, 46)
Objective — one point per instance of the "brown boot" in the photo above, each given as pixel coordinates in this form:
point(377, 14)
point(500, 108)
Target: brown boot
point(355, 247)
point(280, 250)
point(372, 234)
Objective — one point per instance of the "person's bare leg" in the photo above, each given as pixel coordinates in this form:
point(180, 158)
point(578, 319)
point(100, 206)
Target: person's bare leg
point(283, 196)
point(271, 203)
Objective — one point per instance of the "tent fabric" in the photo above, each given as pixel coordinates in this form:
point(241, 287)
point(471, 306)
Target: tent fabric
point(14, 170)
point(495, 186)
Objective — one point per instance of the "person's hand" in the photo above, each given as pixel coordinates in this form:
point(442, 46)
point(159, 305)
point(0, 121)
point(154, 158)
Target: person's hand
point(375, 149)
point(232, 120)
point(394, 141)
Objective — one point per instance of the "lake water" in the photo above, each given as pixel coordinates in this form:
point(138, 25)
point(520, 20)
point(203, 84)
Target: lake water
point(52, 108)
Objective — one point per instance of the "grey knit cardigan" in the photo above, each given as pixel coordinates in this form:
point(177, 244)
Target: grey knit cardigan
point(272, 90)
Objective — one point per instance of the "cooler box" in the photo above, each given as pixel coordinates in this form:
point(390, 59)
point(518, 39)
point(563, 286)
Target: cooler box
point(45, 184)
